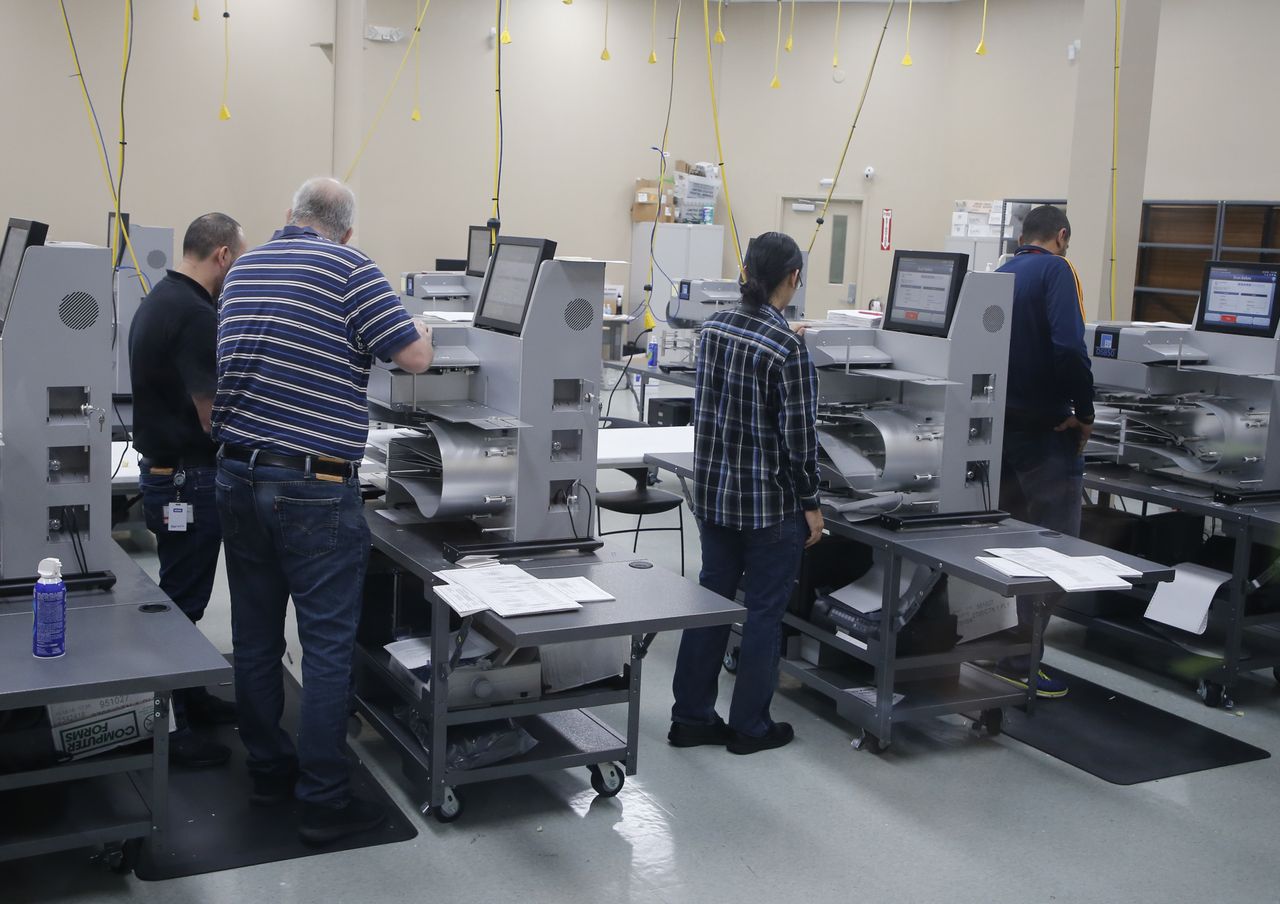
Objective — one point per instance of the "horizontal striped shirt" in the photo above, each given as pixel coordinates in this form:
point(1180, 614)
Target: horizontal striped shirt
point(300, 320)
point(755, 458)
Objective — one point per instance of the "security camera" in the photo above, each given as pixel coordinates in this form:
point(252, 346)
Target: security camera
point(869, 173)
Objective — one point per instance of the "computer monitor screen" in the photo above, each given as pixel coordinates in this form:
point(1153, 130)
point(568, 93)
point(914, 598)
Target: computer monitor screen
point(508, 285)
point(923, 291)
point(20, 235)
point(478, 247)
point(1239, 298)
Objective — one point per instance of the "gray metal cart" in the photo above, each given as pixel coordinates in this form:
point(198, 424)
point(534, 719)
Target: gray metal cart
point(1250, 642)
point(935, 684)
point(569, 733)
point(128, 640)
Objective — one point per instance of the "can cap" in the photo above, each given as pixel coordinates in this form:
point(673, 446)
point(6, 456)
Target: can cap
point(50, 568)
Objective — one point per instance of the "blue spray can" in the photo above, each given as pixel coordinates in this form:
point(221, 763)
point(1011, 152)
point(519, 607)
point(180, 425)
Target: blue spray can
point(49, 631)
point(653, 350)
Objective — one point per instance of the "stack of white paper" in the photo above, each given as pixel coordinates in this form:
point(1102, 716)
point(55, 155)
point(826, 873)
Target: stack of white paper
point(1072, 573)
point(507, 590)
point(1184, 602)
point(580, 590)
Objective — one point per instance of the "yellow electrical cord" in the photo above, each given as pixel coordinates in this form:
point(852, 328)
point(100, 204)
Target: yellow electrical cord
point(715, 120)
point(653, 34)
point(416, 114)
point(981, 49)
point(382, 107)
point(791, 34)
point(906, 57)
point(505, 37)
point(777, 50)
point(835, 54)
point(497, 124)
point(854, 125)
point(719, 38)
point(604, 54)
point(1115, 156)
point(223, 113)
point(119, 230)
point(649, 321)
point(195, 12)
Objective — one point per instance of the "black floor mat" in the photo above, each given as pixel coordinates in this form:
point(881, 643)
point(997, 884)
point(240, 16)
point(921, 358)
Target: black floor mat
point(1122, 740)
point(212, 826)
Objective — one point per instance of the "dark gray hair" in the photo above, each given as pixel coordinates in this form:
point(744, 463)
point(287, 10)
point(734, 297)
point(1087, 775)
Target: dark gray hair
point(208, 233)
point(326, 205)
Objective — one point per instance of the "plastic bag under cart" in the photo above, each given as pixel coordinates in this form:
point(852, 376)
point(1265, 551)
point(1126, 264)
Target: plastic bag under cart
point(472, 746)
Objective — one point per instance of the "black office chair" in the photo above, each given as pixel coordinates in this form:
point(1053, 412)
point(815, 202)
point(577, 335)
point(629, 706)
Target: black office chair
point(641, 501)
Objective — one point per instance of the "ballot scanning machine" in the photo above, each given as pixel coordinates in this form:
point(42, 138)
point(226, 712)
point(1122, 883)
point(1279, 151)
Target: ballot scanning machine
point(695, 301)
point(55, 396)
point(1195, 403)
point(911, 415)
point(502, 428)
point(425, 292)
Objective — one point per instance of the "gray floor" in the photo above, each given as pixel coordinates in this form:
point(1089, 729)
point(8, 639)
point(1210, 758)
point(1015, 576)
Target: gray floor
point(943, 815)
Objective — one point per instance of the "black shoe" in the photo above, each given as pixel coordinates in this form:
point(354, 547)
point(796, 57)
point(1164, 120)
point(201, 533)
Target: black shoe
point(203, 708)
point(684, 735)
point(186, 748)
point(779, 734)
point(319, 824)
point(272, 788)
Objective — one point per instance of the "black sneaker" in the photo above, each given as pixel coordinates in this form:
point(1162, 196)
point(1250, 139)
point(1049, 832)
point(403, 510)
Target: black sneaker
point(779, 734)
point(272, 788)
point(320, 824)
point(685, 735)
point(186, 748)
point(203, 708)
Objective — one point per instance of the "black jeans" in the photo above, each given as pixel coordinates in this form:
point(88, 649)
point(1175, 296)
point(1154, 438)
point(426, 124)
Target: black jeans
point(294, 535)
point(769, 560)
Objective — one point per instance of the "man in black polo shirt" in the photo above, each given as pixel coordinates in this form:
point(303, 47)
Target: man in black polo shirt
point(172, 358)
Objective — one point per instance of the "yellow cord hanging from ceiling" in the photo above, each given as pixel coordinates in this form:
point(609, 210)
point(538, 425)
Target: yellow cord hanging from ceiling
point(906, 57)
point(719, 38)
point(777, 50)
point(857, 113)
point(497, 126)
point(791, 34)
point(653, 34)
point(224, 113)
point(505, 37)
point(1115, 156)
point(981, 49)
point(195, 12)
point(386, 98)
point(416, 115)
point(604, 54)
point(715, 120)
point(835, 56)
point(650, 322)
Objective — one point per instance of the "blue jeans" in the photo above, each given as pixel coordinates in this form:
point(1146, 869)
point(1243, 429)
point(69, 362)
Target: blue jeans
point(1042, 483)
point(188, 559)
point(289, 534)
point(769, 560)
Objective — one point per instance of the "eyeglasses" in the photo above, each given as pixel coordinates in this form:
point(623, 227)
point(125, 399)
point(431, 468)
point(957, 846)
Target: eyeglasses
point(799, 279)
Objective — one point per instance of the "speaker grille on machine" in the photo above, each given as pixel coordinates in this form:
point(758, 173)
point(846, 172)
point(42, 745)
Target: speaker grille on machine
point(79, 310)
point(579, 314)
point(157, 259)
point(993, 319)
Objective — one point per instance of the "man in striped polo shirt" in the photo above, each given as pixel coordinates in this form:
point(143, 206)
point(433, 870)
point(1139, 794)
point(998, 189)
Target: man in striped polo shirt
point(301, 319)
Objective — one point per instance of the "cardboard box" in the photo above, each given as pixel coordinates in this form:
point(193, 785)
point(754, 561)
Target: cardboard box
point(87, 727)
point(647, 192)
point(644, 213)
point(979, 612)
point(580, 662)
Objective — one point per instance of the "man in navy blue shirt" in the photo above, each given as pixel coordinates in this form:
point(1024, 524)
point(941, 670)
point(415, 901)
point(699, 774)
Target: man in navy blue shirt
point(1049, 409)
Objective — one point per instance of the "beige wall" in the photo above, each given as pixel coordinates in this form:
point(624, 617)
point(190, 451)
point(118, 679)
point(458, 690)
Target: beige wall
point(579, 130)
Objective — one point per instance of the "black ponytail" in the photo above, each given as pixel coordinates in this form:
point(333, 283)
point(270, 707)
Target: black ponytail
point(771, 258)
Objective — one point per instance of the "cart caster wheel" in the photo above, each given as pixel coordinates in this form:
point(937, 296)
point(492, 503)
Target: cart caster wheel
point(731, 661)
point(869, 742)
point(450, 809)
point(1213, 694)
point(993, 721)
point(121, 857)
point(607, 779)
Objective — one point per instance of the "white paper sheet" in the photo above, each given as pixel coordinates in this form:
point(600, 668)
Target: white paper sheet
point(1071, 574)
point(460, 599)
point(868, 695)
point(580, 589)
point(1122, 571)
point(1184, 602)
point(510, 591)
point(415, 652)
point(1009, 568)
